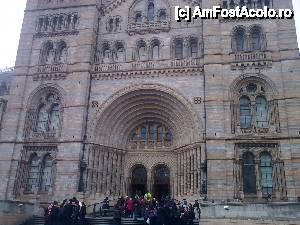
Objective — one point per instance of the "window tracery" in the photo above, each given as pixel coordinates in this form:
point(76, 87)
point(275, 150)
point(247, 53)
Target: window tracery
point(43, 119)
point(150, 134)
point(259, 171)
point(252, 39)
point(54, 53)
point(113, 24)
point(254, 108)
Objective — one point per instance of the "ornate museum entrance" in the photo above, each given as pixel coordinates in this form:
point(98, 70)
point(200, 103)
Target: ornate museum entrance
point(161, 184)
point(139, 181)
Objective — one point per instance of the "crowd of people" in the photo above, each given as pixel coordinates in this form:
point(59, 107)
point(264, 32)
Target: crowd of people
point(69, 212)
point(167, 211)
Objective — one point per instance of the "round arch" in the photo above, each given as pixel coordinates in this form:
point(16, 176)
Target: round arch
point(135, 104)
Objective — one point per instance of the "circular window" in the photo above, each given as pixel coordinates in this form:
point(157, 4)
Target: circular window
point(251, 87)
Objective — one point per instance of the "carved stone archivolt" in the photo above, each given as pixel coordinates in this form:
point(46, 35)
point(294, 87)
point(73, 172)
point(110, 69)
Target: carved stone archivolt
point(123, 111)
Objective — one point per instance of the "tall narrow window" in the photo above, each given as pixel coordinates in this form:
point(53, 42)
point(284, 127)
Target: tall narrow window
point(42, 119)
point(256, 39)
point(242, 3)
point(159, 134)
point(120, 57)
point(225, 4)
point(106, 54)
point(138, 18)
point(151, 14)
point(62, 53)
point(240, 40)
point(162, 15)
point(266, 173)
point(54, 118)
point(143, 133)
point(151, 132)
point(194, 48)
point(155, 50)
point(111, 25)
point(232, 5)
point(249, 177)
point(261, 112)
point(46, 173)
point(117, 26)
point(142, 52)
point(48, 53)
point(178, 49)
point(245, 112)
point(33, 173)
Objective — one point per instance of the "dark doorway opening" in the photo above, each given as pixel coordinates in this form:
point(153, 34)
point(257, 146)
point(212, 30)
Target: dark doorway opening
point(161, 187)
point(139, 181)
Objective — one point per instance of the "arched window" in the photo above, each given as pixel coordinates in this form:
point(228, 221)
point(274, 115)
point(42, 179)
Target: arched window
point(261, 112)
point(266, 171)
point(242, 3)
point(133, 136)
point(240, 40)
point(249, 177)
point(46, 173)
point(155, 50)
point(54, 23)
point(142, 51)
point(62, 53)
point(54, 118)
point(259, 4)
point(138, 18)
point(48, 53)
point(75, 20)
point(33, 173)
point(194, 48)
point(120, 56)
point(168, 136)
point(106, 54)
point(143, 134)
point(231, 4)
point(225, 4)
point(268, 3)
point(159, 134)
point(151, 133)
point(42, 119)
point(111, 25)
point(256, 39)
point(178, 49)
point(151, 14)
point(162, 15)
point(117, 26)
point(249, 4)
point(245, 112)
point(60, 22)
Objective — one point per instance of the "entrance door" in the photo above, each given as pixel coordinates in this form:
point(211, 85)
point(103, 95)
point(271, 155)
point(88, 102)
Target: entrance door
point(139, 181)
point(161, 186)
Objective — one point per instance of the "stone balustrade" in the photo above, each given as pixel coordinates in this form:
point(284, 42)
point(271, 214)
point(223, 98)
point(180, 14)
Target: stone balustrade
point(52, 68)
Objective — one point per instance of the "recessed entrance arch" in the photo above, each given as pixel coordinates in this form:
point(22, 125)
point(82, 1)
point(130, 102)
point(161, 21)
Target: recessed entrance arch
point(161, 181)
point(139, 180)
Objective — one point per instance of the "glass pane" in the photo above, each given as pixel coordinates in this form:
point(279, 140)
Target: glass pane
point(261, 112)
point(155, 52)
point(138, 18)
point(152, 133)
point(142, 52)
point(54, 118)
point(163, 15)
point(32, 182)
point(239, 39)
point(139, 172)
point(143, 133)
point(42, 119)
point(245, 112)
point(249, 177)
point(194, 48)
point(106, 55)
point(162, 172)
point(120, 54)
point(151, 11)
point(46, 174)
point(159, 134)
point(256, 40)
point(178, 50)
point(266, 170)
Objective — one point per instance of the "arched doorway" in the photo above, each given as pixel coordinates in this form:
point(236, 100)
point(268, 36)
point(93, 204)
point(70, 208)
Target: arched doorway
point(139, 180)
point(161, 181)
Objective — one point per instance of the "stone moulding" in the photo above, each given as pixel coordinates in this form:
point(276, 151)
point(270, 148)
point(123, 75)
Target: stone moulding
point(55, 34)
point(148, 27)
point(251, 60)
point(147, 74)
point(47, 77)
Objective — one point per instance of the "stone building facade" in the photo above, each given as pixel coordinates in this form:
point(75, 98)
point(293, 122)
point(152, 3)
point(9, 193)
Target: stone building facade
point(114, 97)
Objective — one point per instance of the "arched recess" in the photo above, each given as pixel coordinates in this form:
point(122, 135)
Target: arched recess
point(136, 104)
point(39, 97)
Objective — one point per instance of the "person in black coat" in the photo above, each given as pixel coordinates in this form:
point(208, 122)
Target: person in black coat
point(117, 215)
point(53, 217)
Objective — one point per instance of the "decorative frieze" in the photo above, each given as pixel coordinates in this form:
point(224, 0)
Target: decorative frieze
point(251, 60)
point(148, 27)
point(48, 77)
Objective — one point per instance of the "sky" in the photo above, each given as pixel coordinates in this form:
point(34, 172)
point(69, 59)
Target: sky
point(11, 17)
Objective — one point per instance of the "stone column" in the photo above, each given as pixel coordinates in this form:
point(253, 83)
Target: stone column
point(105, 164)
point(109, 170)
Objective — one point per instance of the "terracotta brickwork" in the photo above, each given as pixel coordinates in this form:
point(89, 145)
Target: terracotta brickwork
point(101, 87)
